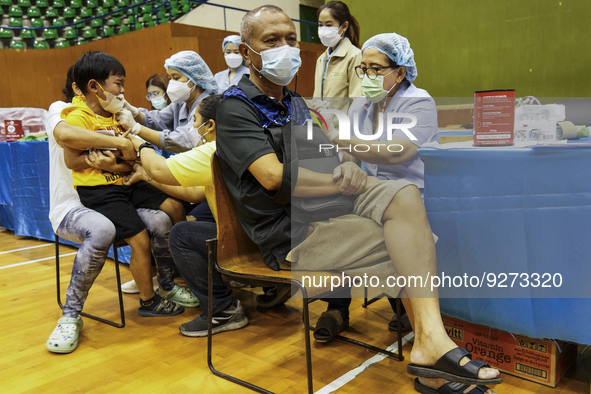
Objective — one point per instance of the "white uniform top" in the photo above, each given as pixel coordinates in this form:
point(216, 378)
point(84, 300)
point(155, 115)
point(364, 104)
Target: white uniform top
point(223, 78)
point(62, 195)
point(408, 99)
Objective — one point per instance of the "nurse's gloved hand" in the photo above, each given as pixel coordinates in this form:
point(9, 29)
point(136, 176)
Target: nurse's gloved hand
point(318, 105)
point(125, 119)
point(134, 111)
point(331, 132)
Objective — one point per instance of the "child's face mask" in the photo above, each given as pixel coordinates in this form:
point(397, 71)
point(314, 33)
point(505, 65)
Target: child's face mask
point(112, 104)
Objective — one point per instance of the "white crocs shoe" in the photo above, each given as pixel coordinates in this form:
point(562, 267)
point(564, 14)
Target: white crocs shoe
point(131, 288)
point(64, 338)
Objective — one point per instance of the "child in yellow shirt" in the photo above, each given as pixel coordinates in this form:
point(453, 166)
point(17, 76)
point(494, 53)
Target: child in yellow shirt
point(101, 78)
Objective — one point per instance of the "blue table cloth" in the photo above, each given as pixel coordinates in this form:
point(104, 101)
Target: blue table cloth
point(518, 210)
point(24, 192)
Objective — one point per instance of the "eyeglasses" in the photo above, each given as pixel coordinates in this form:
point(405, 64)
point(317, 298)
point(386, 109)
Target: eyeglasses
point(153, 95)
point(371, 72)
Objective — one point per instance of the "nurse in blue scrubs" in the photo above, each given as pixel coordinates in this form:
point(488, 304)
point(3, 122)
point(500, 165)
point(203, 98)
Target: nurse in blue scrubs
point(236, 68)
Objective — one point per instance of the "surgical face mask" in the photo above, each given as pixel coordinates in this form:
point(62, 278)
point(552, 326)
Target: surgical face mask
point(373, 89)
point(178, 91)
point(195, 130)
point(158, 102)
point(233, 60)
point(329, 35)
point(280, 64)
point(112, 104)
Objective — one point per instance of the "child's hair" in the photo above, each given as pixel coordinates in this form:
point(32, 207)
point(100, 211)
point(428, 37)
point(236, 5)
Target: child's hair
point(209, 107)
point(68, 91)
point(98, 66)
point(341, 13)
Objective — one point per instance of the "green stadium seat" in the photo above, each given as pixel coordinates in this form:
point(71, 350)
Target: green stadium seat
point(5, 33)
point(15, 10)
point(124, 29)
point(80, 42)
point(27, 34)
point(89, 33)
point(122, 3)
point(36, 22)
point(59, 21)
point(76, 3)
point(109, 31)
point(61, 43)
point(42, 3)
point(34, 12)
point(24, 3)
point(96, 23)
point(69, 12)
point(17, 43)
point(139, 26)
point(15, 21)
point(92, 3)
point(69, 33)
point(185, 8)
point(108, 3)
point(6, 3)
point(59, 4)
point(51, 13)
point(114, 21)
point(40, 43)
point(151, 23)
point(147, 18)
point(50, 34)
point(85, 13)
point(77, 19)
point(146, 9)
point(100, 11)
point(174, 11)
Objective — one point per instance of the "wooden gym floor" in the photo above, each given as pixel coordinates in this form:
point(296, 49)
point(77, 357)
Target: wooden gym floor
point(150, 355)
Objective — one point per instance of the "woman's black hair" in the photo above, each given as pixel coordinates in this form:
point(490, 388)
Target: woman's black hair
point(98, 66)
point(68, 91)
point(161, 81)
point(208, 107)
point(340, 11)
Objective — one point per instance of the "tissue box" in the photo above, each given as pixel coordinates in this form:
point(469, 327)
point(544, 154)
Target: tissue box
point(539, 360)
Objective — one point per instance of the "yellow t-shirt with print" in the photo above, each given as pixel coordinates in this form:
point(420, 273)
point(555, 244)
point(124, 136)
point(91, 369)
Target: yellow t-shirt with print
point(78, 114)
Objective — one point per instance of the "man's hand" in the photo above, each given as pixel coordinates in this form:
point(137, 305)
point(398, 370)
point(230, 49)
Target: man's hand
point(128, 151)
point(138, 174)
point(353, 179)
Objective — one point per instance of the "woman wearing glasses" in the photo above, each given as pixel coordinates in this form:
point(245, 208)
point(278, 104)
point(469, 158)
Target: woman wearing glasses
point(156, 88)
point(386, 72)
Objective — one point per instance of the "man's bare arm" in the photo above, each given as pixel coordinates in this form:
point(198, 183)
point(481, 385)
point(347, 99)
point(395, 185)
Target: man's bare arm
point(79, 138)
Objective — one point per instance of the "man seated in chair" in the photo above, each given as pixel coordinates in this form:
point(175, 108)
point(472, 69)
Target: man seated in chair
point(399, 239)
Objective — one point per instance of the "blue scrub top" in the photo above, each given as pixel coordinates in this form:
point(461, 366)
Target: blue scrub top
point(408, 99)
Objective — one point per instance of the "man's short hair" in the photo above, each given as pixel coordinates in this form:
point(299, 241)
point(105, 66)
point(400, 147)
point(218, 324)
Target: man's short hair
point(249, 20)
point(98, 66)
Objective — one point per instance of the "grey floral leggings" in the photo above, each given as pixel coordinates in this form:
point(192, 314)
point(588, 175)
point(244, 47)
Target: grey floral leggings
point(96, 233)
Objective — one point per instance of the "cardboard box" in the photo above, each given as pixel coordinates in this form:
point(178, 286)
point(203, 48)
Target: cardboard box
point(538, 360)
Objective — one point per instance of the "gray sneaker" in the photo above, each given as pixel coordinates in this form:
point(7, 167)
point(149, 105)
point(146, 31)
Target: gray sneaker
point(232, 318)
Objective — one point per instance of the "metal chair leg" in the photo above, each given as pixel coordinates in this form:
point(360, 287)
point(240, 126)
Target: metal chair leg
point(211, 258)
point(118, 275)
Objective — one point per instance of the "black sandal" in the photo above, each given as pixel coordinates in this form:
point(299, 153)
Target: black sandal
point(333, 323)
point(448, 368)
point(449, 388)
